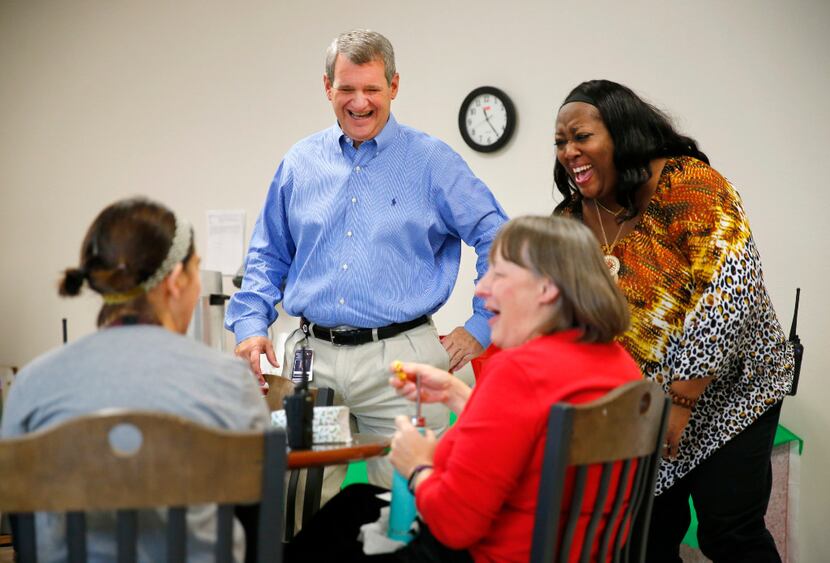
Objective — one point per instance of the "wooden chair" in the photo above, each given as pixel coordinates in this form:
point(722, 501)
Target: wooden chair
point(278, 389)
point(621, 436)
point(281, 387)
point(122, 461)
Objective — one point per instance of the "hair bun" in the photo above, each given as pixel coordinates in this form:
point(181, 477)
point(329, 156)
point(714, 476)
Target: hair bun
point(73, 280)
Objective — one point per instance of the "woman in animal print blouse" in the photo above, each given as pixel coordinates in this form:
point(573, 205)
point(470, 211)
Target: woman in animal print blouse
point(674, 233)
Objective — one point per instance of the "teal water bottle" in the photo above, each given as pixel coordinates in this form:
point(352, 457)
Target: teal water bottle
point(402, 510)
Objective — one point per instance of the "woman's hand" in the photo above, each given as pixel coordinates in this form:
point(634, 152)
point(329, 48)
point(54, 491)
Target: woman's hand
point(437, 386)
point(678, 420)
point(679, 415)
point(409, 448)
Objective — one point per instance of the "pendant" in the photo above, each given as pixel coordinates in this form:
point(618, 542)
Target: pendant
point(613, 264)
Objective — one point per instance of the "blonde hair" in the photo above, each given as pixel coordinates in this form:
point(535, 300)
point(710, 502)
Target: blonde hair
point(566, 252)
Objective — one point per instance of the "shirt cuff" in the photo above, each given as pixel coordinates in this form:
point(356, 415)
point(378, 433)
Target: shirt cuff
point(246, 328)
point(478, 327)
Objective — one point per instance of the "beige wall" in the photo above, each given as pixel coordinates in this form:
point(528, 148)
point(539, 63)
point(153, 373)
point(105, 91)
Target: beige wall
point(194, 102)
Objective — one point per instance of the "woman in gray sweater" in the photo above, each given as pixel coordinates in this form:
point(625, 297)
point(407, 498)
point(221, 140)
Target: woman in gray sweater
point(139, 256)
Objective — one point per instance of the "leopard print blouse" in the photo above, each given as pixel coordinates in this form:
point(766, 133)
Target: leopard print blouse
point(692, 276)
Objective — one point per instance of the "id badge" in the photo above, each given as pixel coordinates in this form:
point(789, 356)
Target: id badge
point(303, 360)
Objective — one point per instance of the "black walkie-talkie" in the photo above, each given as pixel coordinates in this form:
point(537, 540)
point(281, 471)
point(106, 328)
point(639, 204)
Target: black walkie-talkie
point(299, 411)
point(798, 348)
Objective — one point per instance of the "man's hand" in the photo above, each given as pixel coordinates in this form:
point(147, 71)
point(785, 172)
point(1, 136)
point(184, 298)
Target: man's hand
point(461, 347)
point(250, 349)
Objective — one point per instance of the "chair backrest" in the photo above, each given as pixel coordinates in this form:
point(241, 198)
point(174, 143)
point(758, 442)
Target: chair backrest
point(620, 437)
point(122, 461)
point(280, 387)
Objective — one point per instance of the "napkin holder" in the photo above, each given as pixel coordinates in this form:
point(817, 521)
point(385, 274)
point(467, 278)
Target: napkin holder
point(330, 425)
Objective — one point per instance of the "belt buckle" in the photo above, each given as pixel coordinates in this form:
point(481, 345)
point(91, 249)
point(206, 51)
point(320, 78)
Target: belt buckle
point(347, 337)
point(333, 336)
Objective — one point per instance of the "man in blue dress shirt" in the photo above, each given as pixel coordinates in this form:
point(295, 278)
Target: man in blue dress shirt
point(360, 236)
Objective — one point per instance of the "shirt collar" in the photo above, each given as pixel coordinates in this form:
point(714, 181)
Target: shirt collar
point(388, 133)
point(382, 140)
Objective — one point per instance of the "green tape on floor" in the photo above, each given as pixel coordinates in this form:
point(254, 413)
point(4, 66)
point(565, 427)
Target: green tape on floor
point(356, 473)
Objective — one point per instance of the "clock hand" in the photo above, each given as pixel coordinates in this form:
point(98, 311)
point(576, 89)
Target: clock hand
point(487, 118)
point(477, 125)
point(483, 121)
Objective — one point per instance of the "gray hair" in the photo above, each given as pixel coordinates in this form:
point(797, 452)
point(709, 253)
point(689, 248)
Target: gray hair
point(361, 46)
point(566, 252)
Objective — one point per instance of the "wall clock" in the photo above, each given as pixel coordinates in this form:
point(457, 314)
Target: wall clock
point(486, 119)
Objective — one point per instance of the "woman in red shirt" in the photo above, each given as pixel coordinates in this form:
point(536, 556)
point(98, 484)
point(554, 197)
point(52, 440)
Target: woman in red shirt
point(556, 312)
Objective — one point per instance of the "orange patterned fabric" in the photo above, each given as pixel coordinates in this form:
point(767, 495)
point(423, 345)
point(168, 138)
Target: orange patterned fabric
point(693, 280)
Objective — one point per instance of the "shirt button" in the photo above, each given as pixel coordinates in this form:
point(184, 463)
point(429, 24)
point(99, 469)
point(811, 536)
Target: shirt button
point(357, 168)
point(345, 266)
point(342, 301)
point(354, 200)
point(348, 233)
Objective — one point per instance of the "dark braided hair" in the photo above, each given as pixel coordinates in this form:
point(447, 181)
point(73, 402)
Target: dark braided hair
point(124, 246)
point(640, 132)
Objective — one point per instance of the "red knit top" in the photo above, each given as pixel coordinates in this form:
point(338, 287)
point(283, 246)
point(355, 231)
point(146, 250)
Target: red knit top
point(481, 495)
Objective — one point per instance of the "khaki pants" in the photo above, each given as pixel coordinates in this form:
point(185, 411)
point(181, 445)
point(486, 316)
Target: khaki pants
point(359, 376)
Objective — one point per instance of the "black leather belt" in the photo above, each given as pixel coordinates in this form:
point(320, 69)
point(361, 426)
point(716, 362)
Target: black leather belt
point(358, 336)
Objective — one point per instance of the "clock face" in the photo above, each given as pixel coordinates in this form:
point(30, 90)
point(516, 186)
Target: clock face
point(486, 119)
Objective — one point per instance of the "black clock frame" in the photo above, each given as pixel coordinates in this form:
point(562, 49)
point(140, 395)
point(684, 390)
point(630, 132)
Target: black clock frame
point(510, 126)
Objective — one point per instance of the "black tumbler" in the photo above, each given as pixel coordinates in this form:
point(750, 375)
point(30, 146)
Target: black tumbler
point(299, 414)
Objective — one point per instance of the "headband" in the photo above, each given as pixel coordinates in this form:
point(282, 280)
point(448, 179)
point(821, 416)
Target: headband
point(182, 238)
point(579, 97)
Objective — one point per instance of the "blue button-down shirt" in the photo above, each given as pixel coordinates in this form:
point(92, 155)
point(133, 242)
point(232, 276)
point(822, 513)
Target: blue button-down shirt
point(365, 237)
